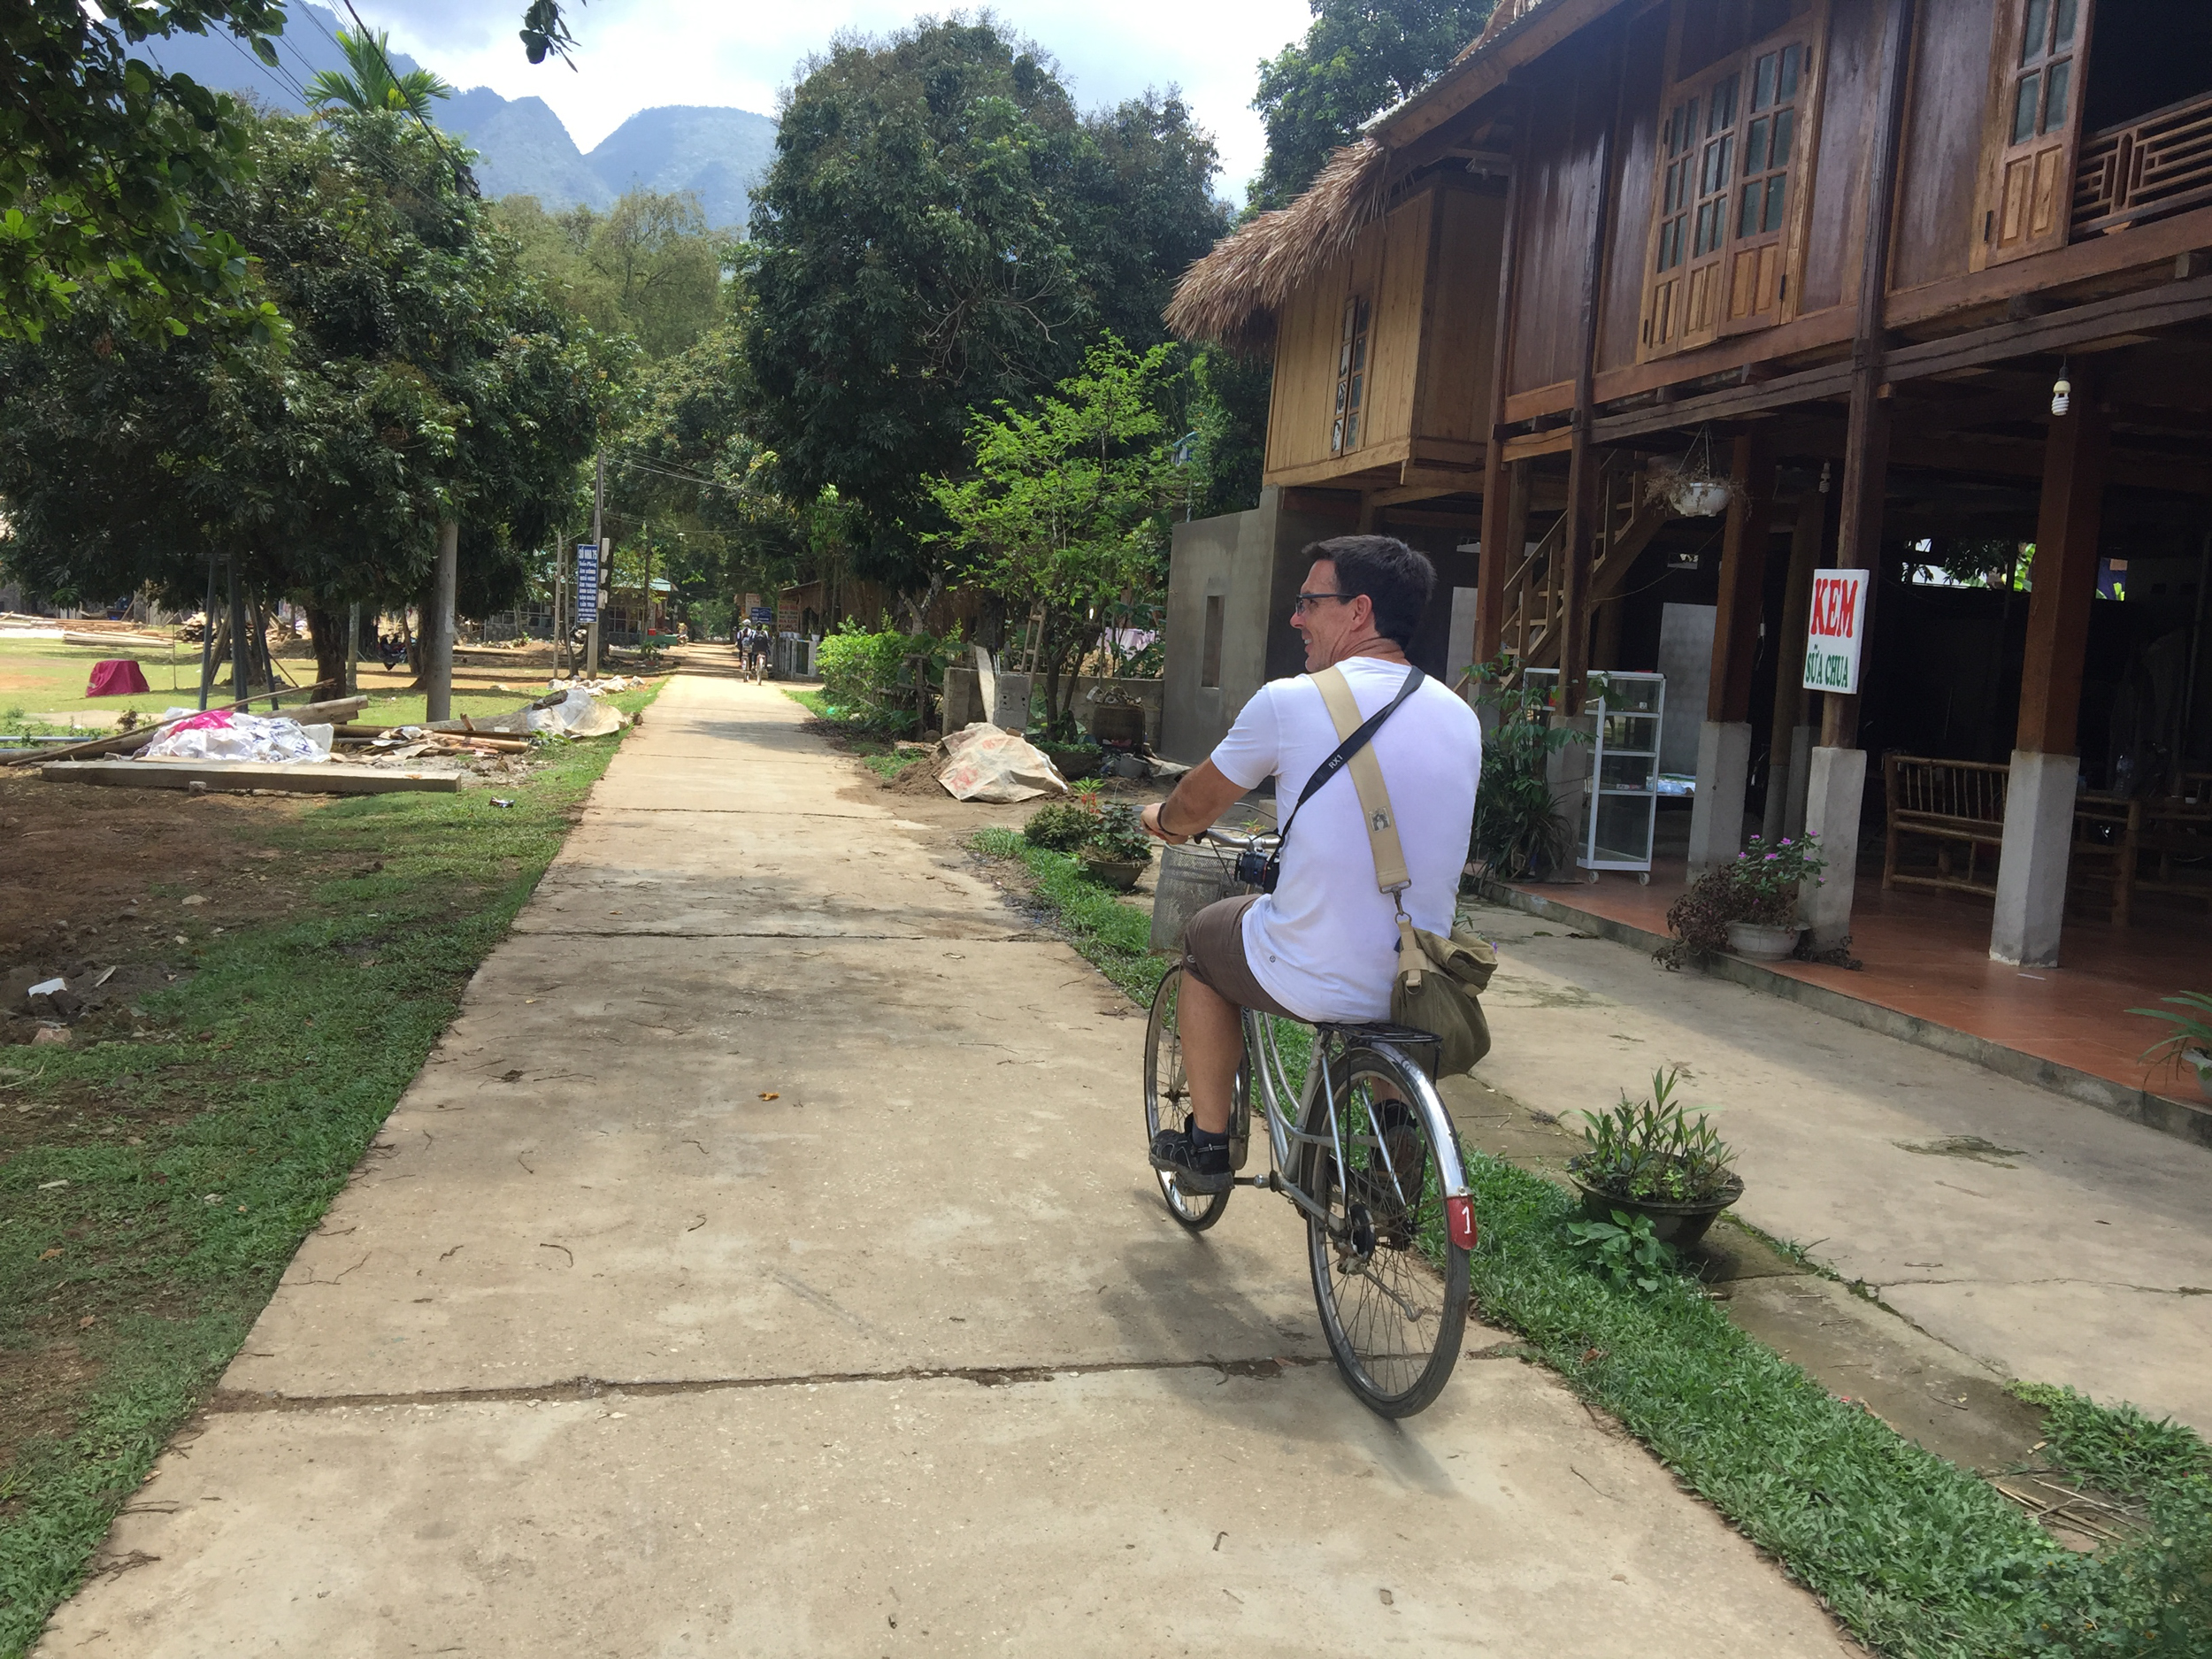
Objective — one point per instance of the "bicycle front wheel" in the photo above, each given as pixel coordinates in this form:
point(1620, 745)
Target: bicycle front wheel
point(1391, 1285)
point(1167, 1103)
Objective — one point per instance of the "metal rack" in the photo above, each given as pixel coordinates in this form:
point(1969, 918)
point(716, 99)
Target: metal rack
point(1622, 792)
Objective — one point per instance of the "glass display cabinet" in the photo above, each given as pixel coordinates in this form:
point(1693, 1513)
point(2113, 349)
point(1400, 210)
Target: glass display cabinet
point(1621, 795)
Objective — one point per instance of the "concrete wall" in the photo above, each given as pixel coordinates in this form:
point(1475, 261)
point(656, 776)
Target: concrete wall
point(1251, 562)
point(1254, 561)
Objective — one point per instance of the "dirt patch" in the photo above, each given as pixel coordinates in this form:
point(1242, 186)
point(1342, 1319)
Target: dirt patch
point(37, 1389)
point(110, 878)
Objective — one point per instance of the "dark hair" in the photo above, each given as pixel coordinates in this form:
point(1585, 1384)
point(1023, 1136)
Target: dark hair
point(1396, 577)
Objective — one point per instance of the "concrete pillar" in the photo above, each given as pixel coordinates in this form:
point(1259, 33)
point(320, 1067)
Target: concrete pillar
point(1009, 704)
point(962, 703)
point(2032, 868)
point(1724, 772)
point(1835, 788)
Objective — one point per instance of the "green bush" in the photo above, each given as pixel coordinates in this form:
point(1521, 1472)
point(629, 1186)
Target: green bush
point(865, 678)
point(1060, 826)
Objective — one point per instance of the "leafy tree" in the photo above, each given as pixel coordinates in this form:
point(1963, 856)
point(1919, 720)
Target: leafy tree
point(428, 380)
point(1066, 505)
point(371, 85)
point(941, 233)
point(1358, 58)
point(98, 154)
point(648, 266)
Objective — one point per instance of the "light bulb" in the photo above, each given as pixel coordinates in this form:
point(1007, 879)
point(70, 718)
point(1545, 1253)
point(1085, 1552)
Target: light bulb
point(2062, 395)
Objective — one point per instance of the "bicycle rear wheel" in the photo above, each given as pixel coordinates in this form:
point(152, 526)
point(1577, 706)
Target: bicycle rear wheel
point(1167, 1104)
point(1391, 1285)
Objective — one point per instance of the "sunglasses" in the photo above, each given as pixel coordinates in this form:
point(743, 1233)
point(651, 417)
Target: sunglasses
point(1306, 601)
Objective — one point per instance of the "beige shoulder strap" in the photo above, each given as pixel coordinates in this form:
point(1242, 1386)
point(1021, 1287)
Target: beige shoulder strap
point(1374, 798)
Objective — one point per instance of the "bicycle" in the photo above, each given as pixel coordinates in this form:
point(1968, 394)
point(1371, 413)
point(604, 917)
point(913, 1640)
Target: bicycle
point(1373, 1163)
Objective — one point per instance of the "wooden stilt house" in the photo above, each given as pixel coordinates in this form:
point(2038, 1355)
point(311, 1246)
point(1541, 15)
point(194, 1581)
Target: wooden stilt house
point(1922, 277)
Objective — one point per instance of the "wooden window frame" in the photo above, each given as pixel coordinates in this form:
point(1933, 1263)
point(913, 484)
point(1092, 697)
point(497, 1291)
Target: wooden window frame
point(1810, 31)
point(2046, 162)
point(1355, 369)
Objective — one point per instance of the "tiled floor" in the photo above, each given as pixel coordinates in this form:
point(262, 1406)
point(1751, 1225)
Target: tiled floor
point(1927, 954)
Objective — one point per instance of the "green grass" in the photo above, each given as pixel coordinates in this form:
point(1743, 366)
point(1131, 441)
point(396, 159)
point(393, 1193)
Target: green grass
point(265, 1071)
point(1919, 1558)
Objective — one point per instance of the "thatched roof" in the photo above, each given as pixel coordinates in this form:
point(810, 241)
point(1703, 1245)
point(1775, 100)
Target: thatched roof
point(1231, 296)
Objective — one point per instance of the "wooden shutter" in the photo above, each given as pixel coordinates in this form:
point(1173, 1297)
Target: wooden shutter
point(1351, 377)
point(1772, 137)
point(2033, 128)
point(1683, 296)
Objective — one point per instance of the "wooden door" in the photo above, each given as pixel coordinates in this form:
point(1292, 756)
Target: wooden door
point(2034, 127)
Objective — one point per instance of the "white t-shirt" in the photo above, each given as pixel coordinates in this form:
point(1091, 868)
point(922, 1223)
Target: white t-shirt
point(1324, 944)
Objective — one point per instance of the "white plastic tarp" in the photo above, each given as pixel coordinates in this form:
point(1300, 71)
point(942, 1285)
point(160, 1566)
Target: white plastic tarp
point(987, 763)
point(580, 713)
point(232, 734)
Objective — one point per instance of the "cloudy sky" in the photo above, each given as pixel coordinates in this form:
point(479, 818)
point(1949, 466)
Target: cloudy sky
point(634, 54)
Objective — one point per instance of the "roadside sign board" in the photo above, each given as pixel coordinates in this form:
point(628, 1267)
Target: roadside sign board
point(764, 615)
point(1836, 630)
point(786, 617)
point(586, 581)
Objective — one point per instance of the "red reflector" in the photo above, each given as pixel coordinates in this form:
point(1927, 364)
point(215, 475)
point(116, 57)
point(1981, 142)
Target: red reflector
point(1459, 1221)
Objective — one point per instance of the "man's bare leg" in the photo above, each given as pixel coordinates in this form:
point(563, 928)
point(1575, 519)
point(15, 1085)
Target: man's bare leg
point(1212, 1030)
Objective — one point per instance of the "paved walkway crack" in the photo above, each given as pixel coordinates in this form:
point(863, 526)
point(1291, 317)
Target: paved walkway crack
point(236, 1401)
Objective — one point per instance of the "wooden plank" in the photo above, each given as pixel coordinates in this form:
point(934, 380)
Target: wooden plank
point(2065, 572)
point(1542, 400)
point(2156, 244)
point(306, 713)
point(1557, 441)
point(1736, 402)
point(300, 777)
point(2167, 305)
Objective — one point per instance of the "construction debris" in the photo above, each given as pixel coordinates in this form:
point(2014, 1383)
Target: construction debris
point(989, 764)
point(232, 734)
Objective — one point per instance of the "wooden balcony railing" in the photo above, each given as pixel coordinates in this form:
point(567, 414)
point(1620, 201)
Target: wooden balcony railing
point(2157, 164)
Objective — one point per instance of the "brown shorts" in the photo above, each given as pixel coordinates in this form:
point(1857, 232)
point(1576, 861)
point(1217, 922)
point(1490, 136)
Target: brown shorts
point(1213, 951)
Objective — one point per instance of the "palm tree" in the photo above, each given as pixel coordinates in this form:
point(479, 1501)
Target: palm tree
point(371, 85)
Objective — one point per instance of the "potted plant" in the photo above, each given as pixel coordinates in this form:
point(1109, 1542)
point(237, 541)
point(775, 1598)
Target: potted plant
point(1643, 1158)
point(1748, 906)
point(2191, 1045)
point(1518, 835)
point(1119, 850)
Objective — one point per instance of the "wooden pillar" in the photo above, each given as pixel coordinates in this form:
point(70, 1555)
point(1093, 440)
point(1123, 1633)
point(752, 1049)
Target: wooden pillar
point(2031, 869)
point(1789, 756)
point(1743, 575)
point(1582, 463)
point(2064, 574)
point(1502, 543)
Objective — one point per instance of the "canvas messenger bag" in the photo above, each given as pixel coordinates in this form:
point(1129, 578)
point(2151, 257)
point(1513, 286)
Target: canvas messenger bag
point(1440, 983)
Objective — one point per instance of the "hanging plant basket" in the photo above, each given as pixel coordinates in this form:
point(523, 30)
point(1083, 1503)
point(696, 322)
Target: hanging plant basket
point(1689, 486)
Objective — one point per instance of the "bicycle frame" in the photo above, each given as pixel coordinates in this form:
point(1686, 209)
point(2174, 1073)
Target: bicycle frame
point(1263, 1064)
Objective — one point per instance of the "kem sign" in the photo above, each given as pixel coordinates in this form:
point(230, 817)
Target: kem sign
point(1836, 630)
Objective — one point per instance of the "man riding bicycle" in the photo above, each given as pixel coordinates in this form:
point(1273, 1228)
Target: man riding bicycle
point(1323, 946)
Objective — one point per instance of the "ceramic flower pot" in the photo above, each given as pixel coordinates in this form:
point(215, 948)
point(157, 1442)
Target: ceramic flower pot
point(1700, 497)
point(1120, 873)
point(1762, 942)
point(1681, 1226)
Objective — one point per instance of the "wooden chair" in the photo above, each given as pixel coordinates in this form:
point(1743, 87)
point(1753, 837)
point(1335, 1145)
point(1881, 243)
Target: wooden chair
point(1955, 804)
point(2108, 833)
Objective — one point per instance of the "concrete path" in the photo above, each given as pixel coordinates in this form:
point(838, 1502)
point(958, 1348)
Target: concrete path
point(2042, 1238)
point(764, 1264)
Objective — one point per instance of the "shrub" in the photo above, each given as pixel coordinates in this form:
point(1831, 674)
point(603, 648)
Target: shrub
point(1118, 835)
point(865, 677)
point(1518, 830)
point(1060, 826)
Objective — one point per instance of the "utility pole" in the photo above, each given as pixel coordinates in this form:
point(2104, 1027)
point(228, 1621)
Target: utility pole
point(353, 648)
point(438, 704)
point(599, 541)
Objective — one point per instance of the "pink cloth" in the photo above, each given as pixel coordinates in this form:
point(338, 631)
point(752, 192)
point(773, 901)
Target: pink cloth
point(210, 720)
point(117, 676)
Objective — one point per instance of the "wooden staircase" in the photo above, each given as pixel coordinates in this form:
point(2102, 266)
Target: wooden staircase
point(1536, 589)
